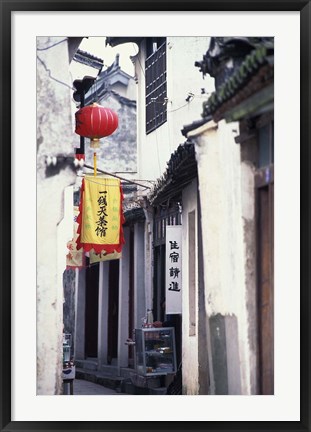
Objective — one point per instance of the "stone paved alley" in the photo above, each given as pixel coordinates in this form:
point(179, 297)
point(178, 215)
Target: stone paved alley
point(82, 387)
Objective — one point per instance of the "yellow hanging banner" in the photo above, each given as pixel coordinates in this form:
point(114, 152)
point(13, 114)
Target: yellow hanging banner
point(101, 217)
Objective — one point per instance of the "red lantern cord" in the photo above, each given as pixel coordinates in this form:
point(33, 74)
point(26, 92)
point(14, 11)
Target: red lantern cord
point(95, 165)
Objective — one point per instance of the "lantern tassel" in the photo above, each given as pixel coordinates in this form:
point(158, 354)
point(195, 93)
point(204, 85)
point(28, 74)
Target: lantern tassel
point(95, 165)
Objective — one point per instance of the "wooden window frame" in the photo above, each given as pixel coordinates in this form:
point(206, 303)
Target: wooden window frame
point(156, 89)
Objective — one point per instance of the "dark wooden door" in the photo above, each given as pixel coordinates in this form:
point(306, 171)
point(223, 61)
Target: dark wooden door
point(113, 310)
point(266, 288)
point(91, 310)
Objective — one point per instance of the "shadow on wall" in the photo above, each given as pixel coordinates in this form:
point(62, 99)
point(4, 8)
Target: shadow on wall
point(225, 354)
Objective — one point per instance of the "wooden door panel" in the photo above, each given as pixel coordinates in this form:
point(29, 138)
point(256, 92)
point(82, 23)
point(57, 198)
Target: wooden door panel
point(91, 310)
point(265, 289)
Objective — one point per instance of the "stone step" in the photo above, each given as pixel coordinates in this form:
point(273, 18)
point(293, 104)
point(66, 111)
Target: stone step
point(110, 381)
point(127, 372)
point(92, 365)
point(119, 383)
point(86, 364)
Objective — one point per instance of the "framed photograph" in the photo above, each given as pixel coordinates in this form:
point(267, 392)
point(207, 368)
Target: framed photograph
point(249, 374)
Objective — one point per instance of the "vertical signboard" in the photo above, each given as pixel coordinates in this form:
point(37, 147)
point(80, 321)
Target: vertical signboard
point(173, 267)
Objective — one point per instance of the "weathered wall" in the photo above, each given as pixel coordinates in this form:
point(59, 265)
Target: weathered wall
point(66, 278)
point(54, 137)
point(190, 334)
point(250, 250)
point(222, 192)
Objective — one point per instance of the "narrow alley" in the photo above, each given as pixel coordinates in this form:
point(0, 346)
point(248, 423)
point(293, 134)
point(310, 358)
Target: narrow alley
point(163, 272)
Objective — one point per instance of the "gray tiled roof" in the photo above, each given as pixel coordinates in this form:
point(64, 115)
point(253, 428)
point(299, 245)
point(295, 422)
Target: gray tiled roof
point(253, 63)
point(241, 67)
point(181, 169)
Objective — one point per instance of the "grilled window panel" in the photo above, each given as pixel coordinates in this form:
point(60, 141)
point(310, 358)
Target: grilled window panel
point(156, 113)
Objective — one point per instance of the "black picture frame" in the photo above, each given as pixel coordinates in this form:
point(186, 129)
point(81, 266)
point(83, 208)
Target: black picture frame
point(7, 7)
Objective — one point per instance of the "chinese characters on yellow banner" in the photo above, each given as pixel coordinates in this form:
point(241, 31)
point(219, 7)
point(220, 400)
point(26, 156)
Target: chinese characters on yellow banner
point(101, 217)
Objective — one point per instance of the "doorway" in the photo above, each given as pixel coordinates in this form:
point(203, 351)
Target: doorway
point(91, 309)
point(113, 310)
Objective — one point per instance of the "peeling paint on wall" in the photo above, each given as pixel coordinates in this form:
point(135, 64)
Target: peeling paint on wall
point(54, 136)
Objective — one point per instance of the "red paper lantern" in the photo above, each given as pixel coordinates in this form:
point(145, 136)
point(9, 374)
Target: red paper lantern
point(95, 122)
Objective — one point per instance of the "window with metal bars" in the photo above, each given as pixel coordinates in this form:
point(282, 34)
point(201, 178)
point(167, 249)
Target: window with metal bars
point(156, 89)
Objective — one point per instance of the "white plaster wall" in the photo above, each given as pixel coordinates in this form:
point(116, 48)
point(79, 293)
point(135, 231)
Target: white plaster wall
point(54, 136)
point(131, 92)
point(154, 149)
point(220, 180)
point(190, 351)
point(139, 62)
point(250, 262)
point(65, 233)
